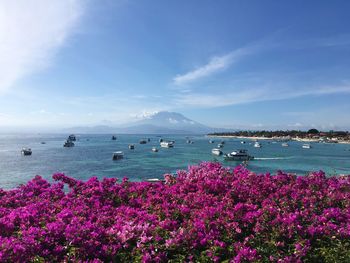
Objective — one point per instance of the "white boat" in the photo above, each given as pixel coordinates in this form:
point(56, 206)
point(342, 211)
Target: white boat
point(26, 151)
point(216, 151)
point(239, 155)
point(257, 145)
point(118, 155)
point(154, 149)
point(131, 146)
point(68, 143)
point(211, 141)
point(285, 144)
point(306, 146)
point(242, 142)
point(220, 145)
point(167, 144)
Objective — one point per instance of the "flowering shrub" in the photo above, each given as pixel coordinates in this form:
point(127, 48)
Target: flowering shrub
point(206, 214)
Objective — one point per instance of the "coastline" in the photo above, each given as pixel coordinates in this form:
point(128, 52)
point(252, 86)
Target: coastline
point(272, 138)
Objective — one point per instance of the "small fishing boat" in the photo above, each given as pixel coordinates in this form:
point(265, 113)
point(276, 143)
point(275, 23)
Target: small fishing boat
point(169, 144)
point(216, 151)
point(26, 151)
point(285, 144)
point(114, 138)
point(211, 141)
point(148, 139)
point(154, 149)
point(143, 142)
point(242, 142)
point(220, 145)
point(257, 145)
point(68, 143)
point(306, 146)
point(131, 146)
point(239, 155)
point(118, 155)
point(43, 142)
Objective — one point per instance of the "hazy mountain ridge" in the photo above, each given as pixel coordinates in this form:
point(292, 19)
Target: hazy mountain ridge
point(160, 122)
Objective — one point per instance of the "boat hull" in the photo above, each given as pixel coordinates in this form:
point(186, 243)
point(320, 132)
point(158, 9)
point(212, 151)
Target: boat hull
point(166, 144)
point(216, 152)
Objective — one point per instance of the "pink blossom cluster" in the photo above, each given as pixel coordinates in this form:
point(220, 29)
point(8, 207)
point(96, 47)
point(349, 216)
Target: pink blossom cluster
point(208, 213)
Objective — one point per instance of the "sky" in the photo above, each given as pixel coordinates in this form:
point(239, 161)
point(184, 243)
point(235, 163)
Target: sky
point(231, 64)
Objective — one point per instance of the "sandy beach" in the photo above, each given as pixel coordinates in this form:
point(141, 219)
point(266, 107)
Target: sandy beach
point(272, 138)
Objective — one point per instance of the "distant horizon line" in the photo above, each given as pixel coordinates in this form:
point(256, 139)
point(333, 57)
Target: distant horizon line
point(226, 130)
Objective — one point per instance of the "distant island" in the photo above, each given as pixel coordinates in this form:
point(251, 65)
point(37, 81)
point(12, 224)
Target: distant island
point(312, 135)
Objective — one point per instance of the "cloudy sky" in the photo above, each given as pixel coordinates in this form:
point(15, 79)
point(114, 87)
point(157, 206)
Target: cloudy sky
point(240, 64)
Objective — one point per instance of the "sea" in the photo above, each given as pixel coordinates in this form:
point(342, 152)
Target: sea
point(92, 156)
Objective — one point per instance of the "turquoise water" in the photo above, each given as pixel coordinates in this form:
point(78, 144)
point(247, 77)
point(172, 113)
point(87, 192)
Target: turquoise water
point(92, 156)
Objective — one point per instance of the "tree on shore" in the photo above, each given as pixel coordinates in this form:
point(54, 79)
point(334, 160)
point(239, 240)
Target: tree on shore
point(313, 131)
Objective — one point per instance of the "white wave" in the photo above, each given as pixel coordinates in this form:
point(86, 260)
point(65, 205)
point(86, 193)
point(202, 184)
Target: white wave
point(273, 158)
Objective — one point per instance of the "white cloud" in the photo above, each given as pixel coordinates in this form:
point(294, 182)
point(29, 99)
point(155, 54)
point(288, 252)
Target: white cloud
point(219, 63)
point(215, 64)
point(255, 94)
point(173, 121)
point(31, 32)
point(145, 114)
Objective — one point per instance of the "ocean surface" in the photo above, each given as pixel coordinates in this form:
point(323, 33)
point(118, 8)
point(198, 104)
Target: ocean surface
point(92, 156)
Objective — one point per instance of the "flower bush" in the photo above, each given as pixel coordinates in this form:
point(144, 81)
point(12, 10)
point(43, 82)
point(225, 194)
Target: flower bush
point(206, 214)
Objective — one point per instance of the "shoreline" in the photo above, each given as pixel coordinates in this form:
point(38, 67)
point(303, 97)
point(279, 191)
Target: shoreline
point(272, 138)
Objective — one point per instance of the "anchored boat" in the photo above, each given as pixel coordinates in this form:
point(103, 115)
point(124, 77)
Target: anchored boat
point(306, 146)
point(154, 149)
point(257, 145)
point(26, 151)
point(118, 155)
point(167, 144)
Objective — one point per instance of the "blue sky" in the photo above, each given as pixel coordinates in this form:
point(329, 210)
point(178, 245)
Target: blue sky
point(237, 64)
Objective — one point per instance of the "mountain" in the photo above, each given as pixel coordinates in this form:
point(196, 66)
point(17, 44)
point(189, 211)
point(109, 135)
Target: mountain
point(163, 122)
point(172, 121)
